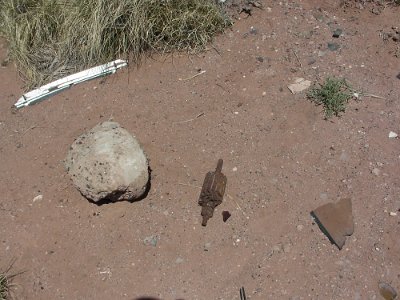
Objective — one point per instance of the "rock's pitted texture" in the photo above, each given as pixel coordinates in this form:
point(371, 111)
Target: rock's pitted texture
point(335, 220)
point(107, 163)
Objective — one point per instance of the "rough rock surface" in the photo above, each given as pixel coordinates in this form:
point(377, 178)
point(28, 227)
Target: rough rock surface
point(335, 220)
point(107, 163)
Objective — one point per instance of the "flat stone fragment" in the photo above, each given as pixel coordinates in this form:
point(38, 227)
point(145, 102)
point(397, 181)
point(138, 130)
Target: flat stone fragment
point(387, 291)
point(335, 220)
point(107, 163)
point(393, 135)
point(299, 85)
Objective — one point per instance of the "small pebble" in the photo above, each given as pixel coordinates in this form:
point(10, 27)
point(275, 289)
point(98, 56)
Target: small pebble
point(277, 248)
point(37, 198)
point(179, 260)
point(260, 58)
point(253, 30)
point(311, 61)
point(323, 196)
point(387, 291)
point(333, 46)
point(376, 171)
point(207, 246)
point(393, 213)
point(337, 33)
point(344, 156)
point(393, 135)
point(287, 248)
point(234, 169)
point(151, 240)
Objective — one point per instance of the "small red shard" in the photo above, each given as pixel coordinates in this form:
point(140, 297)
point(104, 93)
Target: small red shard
point(335, 220)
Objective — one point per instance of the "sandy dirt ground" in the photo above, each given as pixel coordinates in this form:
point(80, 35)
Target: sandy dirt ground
point(281, 158)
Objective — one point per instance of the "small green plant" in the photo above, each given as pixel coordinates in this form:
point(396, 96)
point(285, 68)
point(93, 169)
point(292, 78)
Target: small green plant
point(333, 95)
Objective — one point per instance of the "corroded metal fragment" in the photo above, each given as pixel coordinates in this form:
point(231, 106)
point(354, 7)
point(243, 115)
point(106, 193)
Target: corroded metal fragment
point(212, 192)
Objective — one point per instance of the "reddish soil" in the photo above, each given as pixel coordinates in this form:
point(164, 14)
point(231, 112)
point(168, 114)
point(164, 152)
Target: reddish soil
point(281, 158)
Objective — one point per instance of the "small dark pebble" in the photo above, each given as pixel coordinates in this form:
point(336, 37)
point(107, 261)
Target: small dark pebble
point(311, 61)
point(253, 30)
point(260, 58)
point(337, 33)
point(225, 215)
point(333, 46)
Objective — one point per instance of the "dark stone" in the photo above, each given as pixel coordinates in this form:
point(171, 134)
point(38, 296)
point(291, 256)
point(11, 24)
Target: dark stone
point(311, 61)
point(333, 46)
point(337, 33)
point(226, 215)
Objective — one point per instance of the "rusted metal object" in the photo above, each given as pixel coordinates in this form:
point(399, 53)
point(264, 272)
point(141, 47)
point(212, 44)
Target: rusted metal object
point(212, 192)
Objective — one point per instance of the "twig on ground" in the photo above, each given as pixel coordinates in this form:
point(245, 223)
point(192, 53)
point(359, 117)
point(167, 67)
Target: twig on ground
point(190, 120)
point(373, 96)
point(194, 76)
point(30, 128)
point(219, 85)
point(216, 50)
point(238, 206)
point(295, 54)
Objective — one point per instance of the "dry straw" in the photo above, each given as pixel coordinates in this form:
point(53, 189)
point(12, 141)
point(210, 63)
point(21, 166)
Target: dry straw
point(49, 39)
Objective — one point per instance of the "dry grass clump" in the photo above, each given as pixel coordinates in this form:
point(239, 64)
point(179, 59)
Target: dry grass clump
point(51, 38)
point(6, 284)
point(4, 287)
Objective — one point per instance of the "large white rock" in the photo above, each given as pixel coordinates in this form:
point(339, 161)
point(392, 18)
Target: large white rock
point(107, 163)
